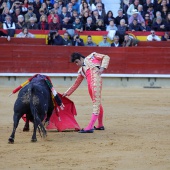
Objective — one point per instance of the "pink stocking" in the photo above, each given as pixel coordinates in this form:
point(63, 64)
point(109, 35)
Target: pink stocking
point(92, 122)
point(100, 120)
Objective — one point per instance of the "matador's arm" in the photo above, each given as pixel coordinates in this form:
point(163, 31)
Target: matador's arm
point(76, 84)
point(104, 59)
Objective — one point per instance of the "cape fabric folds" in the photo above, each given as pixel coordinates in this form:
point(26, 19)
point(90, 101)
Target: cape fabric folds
point(64, 119)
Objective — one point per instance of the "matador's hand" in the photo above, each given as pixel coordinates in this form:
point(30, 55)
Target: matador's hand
point(64, 94)
point(101, 70)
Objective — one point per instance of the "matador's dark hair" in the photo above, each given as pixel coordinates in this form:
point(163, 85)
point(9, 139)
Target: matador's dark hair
point(75, 56)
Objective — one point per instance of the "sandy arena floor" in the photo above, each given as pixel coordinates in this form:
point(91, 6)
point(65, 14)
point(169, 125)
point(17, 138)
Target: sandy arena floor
point(137, 135)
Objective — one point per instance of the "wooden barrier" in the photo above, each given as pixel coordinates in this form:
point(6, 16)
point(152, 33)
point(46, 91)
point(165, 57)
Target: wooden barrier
point(55, 59)
point(154, 44)
point(42, 41)
point(31, 41)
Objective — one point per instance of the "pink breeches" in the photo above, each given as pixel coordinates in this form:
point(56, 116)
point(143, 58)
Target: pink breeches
point(94, 82)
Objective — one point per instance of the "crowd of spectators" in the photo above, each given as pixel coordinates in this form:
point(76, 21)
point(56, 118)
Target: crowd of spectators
point(76, 16)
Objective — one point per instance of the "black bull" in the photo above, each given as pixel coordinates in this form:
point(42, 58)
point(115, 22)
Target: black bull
point(35, 101)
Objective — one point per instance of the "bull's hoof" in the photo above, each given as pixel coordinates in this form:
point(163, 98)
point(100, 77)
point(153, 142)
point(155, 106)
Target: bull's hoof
point(11, 141)
point(33, 140)
point(26, 129)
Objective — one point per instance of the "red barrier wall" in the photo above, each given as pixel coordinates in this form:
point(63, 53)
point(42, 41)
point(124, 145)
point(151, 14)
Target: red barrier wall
point(31, 41)
point(55, 59)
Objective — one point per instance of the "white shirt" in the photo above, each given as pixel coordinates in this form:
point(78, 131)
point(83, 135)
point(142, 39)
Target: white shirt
point(153, 38)
point(9, 25)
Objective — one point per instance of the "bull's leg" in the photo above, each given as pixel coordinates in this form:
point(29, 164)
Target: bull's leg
point(41, 129)
point(34, 138)
point(26, 127)
point(16, 119)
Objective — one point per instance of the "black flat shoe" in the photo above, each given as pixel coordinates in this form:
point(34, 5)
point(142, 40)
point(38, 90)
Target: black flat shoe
point(86, 131)
point(100, 128)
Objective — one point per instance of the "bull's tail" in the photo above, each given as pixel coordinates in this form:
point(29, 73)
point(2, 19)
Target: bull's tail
point(34, 101)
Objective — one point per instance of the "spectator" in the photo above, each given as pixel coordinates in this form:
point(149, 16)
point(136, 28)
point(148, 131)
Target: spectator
point(135, 26)
point(66, 40)
point(5, 13)
point(75, 5)
point(3, 5)
point(164, 12)
point(77, 41)
point(158, 14)
point(74, 16)
point(66, 24)
point(159, 25)
point(100, 25)
point(85, 7)
point(40, 13)
point(20, 24)
point(90, 42)
point(77, 25)
point(125, 5)
point(163, 4)
point(95, 16)
point(44, 8)
point(109, 16)
point(140, 10)
point(15, 5)
point(30, 14)
point(36, 5)
point(56, 8)
point(54, 25)
point(64, 14)
point(49, 5)
point(43, 24)
point(9, 26)
point(104, 43)
point(51, 16)
point(51, 37)
point(121, 30)
point(129, 42)
point(61, 5)
point(70, 8)
point(119, 17)
point(2, 34)
point(132, 7)
point(148, 21)
point(99, 1)
point(146, 5)
point(168, 22)
point(25, 34)
point(64, 2)
point(89, 26)
point(58, 40)
point(165, 37)
point(116, 42)
point(32, 25)
point(111, 26)
point(84, 18)
point(151, 11)
point(145, 27)
point(153, 37)
point(136, 15)
point(100, 10)
point(25, 7)
point(16, 14)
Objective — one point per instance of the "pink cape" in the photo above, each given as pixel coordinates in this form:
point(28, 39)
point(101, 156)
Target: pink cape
point(64, 119)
